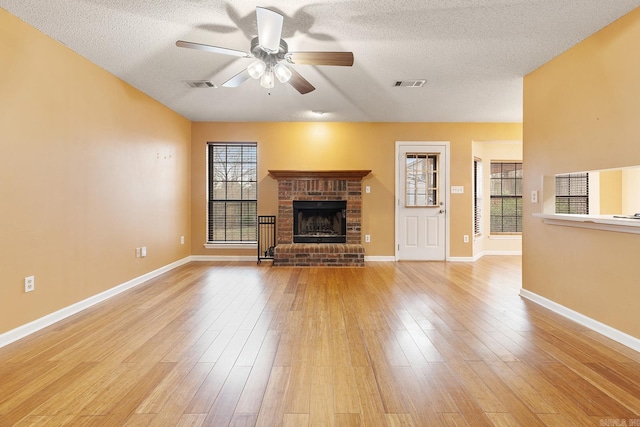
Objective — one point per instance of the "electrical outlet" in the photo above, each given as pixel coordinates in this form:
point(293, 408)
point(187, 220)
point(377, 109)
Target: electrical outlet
point(465, 238)
point(137, 252)
point(29, 283)
point(534, 196)
point(143, 251)
point(367, 238)
point(182, 240)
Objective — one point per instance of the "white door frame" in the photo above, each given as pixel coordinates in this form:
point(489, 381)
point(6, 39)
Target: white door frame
point(398, 190)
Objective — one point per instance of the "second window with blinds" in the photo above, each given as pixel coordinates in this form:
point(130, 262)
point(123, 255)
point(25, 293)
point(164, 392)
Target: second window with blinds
point(506, 197)
point(572, 193)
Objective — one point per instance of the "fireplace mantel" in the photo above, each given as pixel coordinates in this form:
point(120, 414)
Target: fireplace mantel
point(317, 174)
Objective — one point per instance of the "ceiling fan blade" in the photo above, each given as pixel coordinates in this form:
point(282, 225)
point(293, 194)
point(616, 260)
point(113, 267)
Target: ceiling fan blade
point(214, 49)
point(238, 79)
point(300, 83)
point(321, 58)
point(269, 29)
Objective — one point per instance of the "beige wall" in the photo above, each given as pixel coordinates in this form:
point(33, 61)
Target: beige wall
point(610, 192)
point(316, 146)
point(90, 169)
point(581, 113)
point(630, 191)
point(487, 152)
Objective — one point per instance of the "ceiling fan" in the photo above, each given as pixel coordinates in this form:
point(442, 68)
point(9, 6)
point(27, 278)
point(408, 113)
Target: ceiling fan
point(273, 57)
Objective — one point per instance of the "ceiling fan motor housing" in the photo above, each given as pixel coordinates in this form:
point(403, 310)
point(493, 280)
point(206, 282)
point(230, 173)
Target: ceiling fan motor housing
point(269, 58)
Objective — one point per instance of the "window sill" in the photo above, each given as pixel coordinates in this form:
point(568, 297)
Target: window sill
point(505, 237)
point(594, 222)
point(231, 245)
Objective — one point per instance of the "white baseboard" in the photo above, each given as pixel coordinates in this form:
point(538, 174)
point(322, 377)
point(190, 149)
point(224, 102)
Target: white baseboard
point(41, 323)
point(501, 253)
point(379, 258)
point(464, 258)
point(609, 332)
point(481, 254)
point(224, 258)
point(255, 258)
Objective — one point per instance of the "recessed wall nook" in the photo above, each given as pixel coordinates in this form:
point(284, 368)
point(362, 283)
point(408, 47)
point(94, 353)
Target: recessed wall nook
point(319, 218)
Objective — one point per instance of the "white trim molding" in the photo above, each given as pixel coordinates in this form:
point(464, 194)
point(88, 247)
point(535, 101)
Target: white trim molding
point(485, 253)
point(253, 246)
point(48, 320)
point(501, 253)
point(228, 258)
point(379, 258)
point(505, 236)
point(609, 332)
point(594, 222)
point(464, 258)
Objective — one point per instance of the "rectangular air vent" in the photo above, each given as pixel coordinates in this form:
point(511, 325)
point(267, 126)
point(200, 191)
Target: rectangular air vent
point(199, 84)
point(410, 83)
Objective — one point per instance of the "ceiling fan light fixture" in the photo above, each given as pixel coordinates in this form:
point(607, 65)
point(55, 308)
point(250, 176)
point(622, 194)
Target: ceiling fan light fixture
point(267, 80)
point(256, 69)
point(271, 56)
point(282, 72)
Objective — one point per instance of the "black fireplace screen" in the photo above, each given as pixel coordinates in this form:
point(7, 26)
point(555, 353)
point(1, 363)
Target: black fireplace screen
point(319, 221)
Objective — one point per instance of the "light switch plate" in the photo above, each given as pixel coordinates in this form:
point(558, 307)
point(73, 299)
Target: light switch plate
point(457, 189)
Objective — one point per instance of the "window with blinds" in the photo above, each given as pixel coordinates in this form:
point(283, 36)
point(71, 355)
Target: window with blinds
point(477, 196)
point(233, 192)
point(572, 193)
point(506, 197)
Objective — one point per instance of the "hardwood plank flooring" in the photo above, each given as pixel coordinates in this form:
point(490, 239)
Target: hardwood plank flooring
point(390, 344)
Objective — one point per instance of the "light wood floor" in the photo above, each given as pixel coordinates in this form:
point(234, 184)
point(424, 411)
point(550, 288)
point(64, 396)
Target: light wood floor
point(395, 344)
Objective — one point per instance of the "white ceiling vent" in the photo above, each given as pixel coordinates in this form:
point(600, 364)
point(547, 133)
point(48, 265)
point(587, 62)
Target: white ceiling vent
point(410, 83)
point(199, 84)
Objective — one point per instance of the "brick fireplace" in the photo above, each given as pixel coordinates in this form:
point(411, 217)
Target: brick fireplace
point(319, 186)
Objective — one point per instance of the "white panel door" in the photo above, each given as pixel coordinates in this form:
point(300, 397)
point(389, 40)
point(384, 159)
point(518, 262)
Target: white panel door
point(421, 220)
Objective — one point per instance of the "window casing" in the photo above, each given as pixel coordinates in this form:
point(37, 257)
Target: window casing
point(232, 192)
point(506, 197)
point(572, 193)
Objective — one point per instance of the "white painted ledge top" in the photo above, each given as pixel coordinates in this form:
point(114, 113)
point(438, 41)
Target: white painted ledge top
point(595, 222)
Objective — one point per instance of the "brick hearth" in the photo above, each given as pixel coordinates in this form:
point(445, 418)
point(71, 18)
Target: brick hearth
point(319, 185)
point(319, 254)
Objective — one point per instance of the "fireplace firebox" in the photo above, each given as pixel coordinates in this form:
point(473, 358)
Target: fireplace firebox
point(319, 221)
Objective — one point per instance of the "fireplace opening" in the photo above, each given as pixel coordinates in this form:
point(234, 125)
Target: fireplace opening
point(319, 221)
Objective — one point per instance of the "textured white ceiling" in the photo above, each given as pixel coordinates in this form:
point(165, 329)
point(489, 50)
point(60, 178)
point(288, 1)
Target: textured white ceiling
point(473, 53)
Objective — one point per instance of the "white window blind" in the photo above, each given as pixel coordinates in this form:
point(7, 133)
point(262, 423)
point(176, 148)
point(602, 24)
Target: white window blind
point(506, 197)
point(572, 193)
